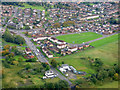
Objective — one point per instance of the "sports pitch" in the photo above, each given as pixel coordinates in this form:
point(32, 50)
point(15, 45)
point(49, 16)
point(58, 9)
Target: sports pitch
point(79, 38)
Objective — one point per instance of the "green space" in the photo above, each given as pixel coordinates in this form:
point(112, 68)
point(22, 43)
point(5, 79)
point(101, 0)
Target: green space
point(113, 84)
point(19, 76)
point(19, 56)
point(105, 41)
point(79, 38)
point(30, 6)
point(107, 51)
point(9, 43)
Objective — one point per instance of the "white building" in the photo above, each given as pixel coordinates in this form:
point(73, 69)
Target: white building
point(53, 39)
point(91, 17)
point(39, 38)
point(64, 68)
point(49, 55)
point(61, 46)
point(60, 42)
point(72, 49)
point(50, 74)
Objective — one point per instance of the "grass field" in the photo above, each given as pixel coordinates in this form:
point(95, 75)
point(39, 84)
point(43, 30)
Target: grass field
point(79, 38)
point(107, 51)
point(105, 41)
point(113, 84)
point(12, 79)
point(32, 7)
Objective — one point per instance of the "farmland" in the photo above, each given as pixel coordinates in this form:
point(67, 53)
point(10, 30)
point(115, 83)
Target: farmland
point(79, 38)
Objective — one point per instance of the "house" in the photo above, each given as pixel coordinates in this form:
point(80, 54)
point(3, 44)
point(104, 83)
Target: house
point(50, 74)
point(68, 52)
point(49, 55)
point(50, 44)
point(27, 50)
point(92, 17)
point(72, 49)
point(46, 51)
point(63, 53)
point(53, 39)
point(64, 68)
point(86, 45)
point(61, 46)
point(40, 38)
point(80, 47)
point(73, 69)
point(60, 42)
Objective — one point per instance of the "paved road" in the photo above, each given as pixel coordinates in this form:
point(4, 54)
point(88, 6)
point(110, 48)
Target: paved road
point(40, 57)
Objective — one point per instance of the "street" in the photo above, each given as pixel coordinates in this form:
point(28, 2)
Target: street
point(39, 56)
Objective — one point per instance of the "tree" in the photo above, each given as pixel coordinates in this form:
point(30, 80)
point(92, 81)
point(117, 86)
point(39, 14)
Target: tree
point(116, 76)
point(111, 72)
point(98, 62)
point(49, 85)
point(20, 59)
point(7, 47)
point(63, 84)
point(31, 60)
point(57, 25)
point(15, 62)
point(94, 79)
point(17, 52)
point(47, 67)
point(62, 62)
point(28, 66)
point(19, 39)
point(8, 37)
point(54, 63)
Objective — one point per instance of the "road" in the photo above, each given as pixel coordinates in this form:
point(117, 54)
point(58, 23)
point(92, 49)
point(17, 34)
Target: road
point(40, 57)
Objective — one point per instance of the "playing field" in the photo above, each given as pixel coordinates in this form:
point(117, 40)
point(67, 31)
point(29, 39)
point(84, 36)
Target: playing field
point(79, 38)
point(32, 7)
point(106, 50)
point(105, 41)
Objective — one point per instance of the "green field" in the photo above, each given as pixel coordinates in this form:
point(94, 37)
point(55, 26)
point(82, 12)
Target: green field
point(107, 51)
point(105, 41)
point(12, 79)
point(79, 38)
point(32, 7)
point(113, 84)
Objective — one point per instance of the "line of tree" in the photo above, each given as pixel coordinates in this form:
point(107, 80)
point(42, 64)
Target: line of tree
point(8, 37)
point(61, 84)
point(13, 3)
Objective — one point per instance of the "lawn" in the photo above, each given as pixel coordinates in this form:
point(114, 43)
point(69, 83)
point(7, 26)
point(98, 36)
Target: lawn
point(105, 41)
point(32, 7)
point(113, 84)
point(79, 38)
point(107, 51)
point(19, 56)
